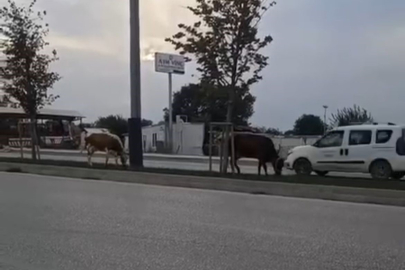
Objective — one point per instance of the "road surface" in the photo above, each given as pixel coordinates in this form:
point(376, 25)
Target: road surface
point(54, 223)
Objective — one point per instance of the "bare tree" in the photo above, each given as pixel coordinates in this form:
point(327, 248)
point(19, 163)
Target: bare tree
point(350, 116)
point(26, 70)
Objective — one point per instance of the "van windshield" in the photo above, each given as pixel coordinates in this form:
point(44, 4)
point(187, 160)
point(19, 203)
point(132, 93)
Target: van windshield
point(331, 139)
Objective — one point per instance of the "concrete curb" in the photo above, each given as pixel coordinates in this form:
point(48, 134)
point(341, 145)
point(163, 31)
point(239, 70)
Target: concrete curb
point(347, 194)
point(177, 158)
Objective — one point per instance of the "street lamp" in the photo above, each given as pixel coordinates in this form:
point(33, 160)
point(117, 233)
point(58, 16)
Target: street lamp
point(134, 123)
point(324, 119)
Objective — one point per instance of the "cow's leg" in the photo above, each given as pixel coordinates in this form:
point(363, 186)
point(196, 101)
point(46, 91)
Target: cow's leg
point(232, 163)
point(234, 160)
point(265, 167)
point(107, 156)
point(274, 163)
point(236, 165)
point(116, 156)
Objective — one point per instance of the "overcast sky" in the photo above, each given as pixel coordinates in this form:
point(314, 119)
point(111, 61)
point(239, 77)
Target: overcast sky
point(336, 53)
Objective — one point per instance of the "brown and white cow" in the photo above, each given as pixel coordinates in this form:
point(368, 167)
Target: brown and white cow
point(105, 142)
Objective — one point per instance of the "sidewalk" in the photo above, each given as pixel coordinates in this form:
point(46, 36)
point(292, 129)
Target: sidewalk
point(147, 156)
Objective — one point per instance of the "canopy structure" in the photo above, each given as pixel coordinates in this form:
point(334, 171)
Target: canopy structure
point(52, 114)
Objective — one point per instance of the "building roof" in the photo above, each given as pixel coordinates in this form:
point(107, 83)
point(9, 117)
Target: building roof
point(6, 112)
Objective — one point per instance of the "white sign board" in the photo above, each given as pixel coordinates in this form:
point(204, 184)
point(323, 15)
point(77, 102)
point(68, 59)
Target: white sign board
point(169, 63)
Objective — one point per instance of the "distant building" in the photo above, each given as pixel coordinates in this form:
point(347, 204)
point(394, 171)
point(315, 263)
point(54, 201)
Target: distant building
point(55, 127)
point(188, 138)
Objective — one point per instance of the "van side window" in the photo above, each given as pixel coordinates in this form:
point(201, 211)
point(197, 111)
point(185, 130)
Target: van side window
point(332, 139)
point(360, 137)
point(383, 136)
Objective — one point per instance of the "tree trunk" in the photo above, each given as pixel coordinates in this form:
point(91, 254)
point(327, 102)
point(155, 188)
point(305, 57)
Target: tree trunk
point(225, 151)
point(33, 139)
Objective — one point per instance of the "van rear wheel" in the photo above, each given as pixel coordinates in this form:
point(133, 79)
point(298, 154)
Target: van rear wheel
point(302, 166)
point(381, 169)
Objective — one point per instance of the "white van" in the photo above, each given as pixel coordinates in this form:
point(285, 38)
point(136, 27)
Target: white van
point(377, 149)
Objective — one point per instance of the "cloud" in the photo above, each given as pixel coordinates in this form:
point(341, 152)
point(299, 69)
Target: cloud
point(337, 53)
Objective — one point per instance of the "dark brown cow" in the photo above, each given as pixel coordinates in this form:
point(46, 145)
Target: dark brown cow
point(108, 143)
point(258, 147)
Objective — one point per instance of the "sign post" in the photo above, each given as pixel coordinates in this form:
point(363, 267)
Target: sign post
point(170, 64)
point(170, 113)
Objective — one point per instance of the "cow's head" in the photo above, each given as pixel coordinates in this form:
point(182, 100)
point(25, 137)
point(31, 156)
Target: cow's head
point(279, 163)
point(278, 168)
point(124, 159)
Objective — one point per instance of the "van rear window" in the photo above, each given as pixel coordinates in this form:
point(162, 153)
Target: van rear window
point(383, 136)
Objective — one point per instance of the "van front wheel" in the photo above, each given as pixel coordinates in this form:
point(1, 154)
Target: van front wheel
point(302, 166)
point(380, 169)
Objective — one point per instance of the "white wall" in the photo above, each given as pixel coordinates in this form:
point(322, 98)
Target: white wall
point(147, 137)
point(288, 143)
point(187, 138)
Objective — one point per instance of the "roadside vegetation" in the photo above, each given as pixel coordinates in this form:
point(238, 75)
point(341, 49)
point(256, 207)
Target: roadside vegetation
point(293, 179)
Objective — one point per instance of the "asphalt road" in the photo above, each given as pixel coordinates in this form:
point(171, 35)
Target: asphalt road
point(52, 223)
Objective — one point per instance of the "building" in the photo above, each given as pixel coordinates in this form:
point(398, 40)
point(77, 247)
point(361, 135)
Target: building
point(55, 128)
point(188, 138)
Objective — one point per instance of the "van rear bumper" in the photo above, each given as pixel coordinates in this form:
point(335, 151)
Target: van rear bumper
point(398, 165)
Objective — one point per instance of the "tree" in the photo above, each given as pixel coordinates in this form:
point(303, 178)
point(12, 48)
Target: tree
point(146, 122)
point(117, 124)
point(190, 102)
point(26, 74)
point(226, 45)
point(309, 124)
point(350, 116)
point(201, 104)
point(289, 133)
point(273, 131)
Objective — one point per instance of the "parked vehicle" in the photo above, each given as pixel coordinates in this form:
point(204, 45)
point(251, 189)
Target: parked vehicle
point(376, 149)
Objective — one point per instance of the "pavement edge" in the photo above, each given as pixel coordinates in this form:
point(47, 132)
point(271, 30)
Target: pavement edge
point(335, 193)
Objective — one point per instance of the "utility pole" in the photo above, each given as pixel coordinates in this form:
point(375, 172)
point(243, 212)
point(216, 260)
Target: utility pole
point(324, 119)
point(170, 114)
point(134, 123)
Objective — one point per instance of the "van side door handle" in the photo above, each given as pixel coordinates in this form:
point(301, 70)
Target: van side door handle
point(341, 152)
point(346, 152)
